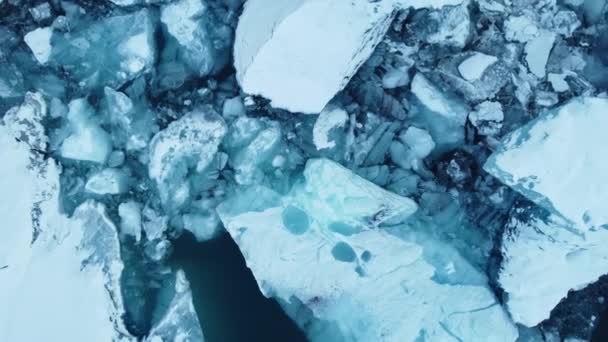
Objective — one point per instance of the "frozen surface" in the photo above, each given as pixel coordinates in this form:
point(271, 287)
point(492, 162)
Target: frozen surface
point(314, 251)
point(555, 161)
point(543, 260)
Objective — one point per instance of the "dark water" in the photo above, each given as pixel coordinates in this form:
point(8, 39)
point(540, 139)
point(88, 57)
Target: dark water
point(229, 304)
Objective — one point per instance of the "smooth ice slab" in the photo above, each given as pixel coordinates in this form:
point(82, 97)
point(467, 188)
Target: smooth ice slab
point(543, 260)
point(300, 53)
point(314, 251)
point(558, 161)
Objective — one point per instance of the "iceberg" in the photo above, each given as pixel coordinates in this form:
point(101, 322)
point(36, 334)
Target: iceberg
point(319, 253)
point(300, 65)
point(555, 162)
point(543, 259)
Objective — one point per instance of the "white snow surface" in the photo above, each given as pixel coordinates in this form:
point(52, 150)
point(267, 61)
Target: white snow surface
point(543, 260)
point(558, 161)
point(51, 273)
point(367, 285)
point(300, 53)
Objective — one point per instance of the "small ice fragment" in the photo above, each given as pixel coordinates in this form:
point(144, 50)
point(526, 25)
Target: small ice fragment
point(329, 119)
point(487, 118)
point(203, 227)
point(39, 41)
point(537, 52)
point(233, 107)
point(419, 140)
point(558, 82)
point(130, 219)
point(473, 67)
point(109, 181)
point(88, 141)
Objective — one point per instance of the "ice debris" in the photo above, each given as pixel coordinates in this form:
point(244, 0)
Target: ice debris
point(552, 161)
point(315, 251)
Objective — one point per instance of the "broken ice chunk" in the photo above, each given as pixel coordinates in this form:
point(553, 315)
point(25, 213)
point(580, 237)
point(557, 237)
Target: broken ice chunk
point(473, 67)
point(39, 41)
point(487, 118)
point(187, 144)
point(180, 321)
point(194, 37)
point(557, 162)
point(442, 114)
point(520, 29)
point(454, 26)
point(314, 252)
point(347, 190)
point(537, 52)
point(543, 260)
point(203, 227)
point(130, 219)
point(279, 52)
point(558, 82)
point(329, 119)
point(88, 141)
point(109, 181)
point(259, 151)
point(107, 52)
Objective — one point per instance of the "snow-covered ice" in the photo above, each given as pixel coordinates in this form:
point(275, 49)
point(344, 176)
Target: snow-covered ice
point(543, 260)
point(557, 161)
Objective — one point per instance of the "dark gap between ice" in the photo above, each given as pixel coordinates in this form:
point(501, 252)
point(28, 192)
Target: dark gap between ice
point(226, 297)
